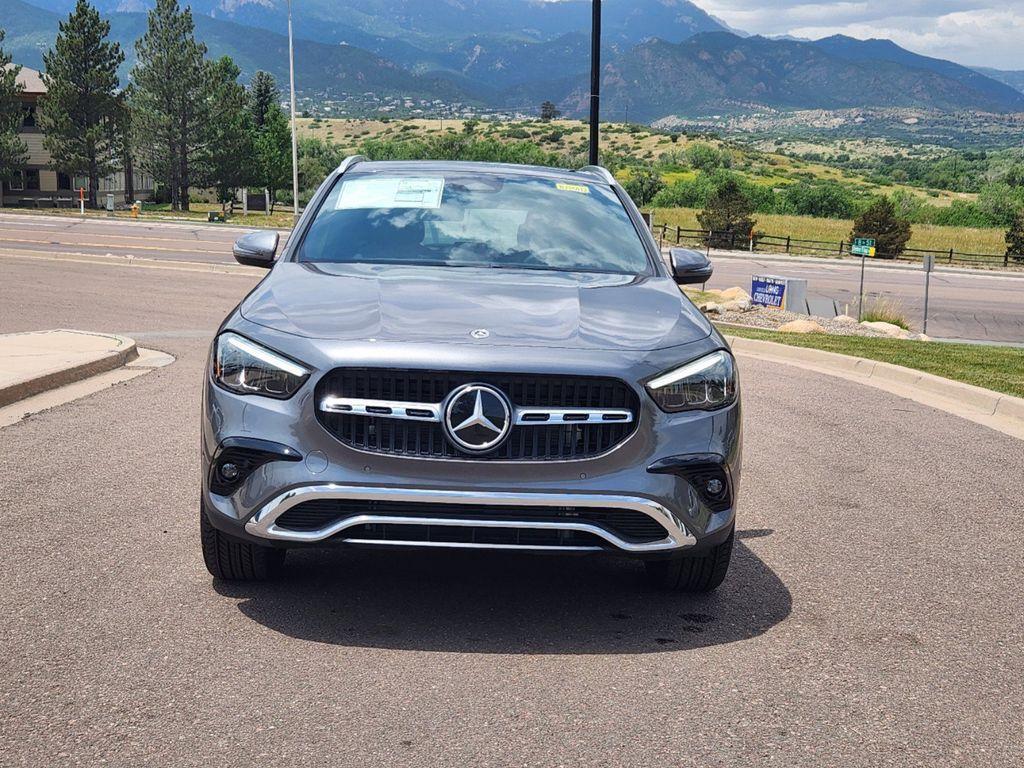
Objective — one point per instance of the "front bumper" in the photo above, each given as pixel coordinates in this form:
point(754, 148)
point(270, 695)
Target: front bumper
point(631, 478)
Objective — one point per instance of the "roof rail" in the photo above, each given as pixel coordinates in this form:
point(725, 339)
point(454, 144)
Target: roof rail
point(597, 170)
point(349, 161)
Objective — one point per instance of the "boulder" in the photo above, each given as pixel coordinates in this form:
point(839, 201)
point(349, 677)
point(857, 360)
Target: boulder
point(801, 326)
point(845, 320)
point(711, 308)
point(737, 305)
point(886, 329)
point(734, 294)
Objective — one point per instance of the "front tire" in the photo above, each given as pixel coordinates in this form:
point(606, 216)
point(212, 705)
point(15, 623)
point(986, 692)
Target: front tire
point(692, 573)
point(233, 559)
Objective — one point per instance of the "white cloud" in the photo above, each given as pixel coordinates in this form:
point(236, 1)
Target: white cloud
point(980, 32)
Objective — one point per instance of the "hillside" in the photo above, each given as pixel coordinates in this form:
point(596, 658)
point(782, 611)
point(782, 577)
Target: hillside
point(321, 68)
point(514, 54)
point(721, 72)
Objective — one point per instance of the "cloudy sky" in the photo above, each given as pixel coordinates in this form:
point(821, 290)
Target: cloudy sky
point(980, 32)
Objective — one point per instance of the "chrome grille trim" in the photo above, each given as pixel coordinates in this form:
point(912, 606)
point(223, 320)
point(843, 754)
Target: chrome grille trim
point(263, 523)
point(522, 417)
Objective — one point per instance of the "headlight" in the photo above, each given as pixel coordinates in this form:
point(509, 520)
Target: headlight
point(245, 368)
point(702, 385)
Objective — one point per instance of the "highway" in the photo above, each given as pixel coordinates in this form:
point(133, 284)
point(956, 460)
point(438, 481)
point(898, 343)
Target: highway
point(964, 304)
point(871, 617)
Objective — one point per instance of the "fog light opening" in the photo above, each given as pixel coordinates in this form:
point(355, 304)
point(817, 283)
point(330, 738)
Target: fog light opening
point(229, 471)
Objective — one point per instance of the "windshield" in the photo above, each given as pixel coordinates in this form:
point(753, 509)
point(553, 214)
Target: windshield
point(481, 220)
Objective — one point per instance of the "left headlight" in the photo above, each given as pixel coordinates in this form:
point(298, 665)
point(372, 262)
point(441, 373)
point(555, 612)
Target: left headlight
point(703, 385)
point(246, 368)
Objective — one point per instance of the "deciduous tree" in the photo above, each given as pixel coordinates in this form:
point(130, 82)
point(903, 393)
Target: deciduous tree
point(79, 114)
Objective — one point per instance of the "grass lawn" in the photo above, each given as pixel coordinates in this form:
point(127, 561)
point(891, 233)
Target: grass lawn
point(280, 219)
point(926, 236)
point(997, 368)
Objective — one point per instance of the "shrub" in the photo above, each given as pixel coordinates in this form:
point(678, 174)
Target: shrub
point(643, 185)
point(880, 223)
point(822, 200)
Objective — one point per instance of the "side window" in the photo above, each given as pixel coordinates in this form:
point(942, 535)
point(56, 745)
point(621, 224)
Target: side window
point(32, 179)
point(17, 182)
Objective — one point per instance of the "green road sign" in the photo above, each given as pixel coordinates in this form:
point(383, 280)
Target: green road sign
point(863, 246)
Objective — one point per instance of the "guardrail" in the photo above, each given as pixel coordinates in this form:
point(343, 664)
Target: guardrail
point(762, 243)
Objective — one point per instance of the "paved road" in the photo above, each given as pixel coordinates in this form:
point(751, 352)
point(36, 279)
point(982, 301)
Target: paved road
point(872, 615)
point(966, 306)
point(962, 305)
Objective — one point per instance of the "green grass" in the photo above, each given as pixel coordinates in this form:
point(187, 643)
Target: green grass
point(997, 368)
point(924, 236)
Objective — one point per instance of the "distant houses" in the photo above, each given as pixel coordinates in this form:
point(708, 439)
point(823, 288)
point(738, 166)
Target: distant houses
point(40, 185)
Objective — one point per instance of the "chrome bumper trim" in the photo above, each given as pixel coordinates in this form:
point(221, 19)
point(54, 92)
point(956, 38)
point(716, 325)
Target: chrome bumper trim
point(263, 523)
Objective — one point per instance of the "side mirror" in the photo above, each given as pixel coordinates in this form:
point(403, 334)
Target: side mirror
point(256, 249)
point(689, 267)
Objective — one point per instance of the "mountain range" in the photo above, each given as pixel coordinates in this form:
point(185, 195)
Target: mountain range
point(661, 57)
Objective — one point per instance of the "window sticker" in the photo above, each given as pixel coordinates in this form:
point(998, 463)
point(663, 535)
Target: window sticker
point(580, 188)
point(391, 193)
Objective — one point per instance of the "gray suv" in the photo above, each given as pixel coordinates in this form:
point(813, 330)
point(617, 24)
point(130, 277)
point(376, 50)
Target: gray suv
point(470, 356)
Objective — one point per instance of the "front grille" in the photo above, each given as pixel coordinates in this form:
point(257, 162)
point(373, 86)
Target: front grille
point(518, 537)
point(427, 439)
point(630, 525)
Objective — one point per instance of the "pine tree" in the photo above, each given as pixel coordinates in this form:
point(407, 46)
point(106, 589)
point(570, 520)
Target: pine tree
point(263, 94)
point(79, 114)
point(880, 223)
point(549, 112)
point(1015, 237)
point(274, 152)
point(232, 136)
point(727, 215)
point(12, 149)
point(171, 116)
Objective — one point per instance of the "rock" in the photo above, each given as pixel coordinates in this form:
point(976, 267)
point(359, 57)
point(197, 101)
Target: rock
point(801, 326)
point(920, 337)
point(845, 320)
point(711, 308)
point(886, 329)
point(737, 305)
point(734, 294)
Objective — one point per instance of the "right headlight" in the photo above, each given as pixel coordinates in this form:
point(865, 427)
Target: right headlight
point(703, 385)
point(247, 368)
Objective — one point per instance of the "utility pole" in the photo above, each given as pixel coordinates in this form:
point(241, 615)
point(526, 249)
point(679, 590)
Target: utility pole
point(595, 82)
point(295, 138)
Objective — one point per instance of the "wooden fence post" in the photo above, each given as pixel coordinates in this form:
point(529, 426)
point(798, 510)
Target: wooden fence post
point(841, 244)
point(787, 243)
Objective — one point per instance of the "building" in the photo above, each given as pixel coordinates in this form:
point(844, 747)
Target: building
point(39, 184)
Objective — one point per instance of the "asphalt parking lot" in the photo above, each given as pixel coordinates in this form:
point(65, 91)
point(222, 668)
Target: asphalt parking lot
point(872, 615)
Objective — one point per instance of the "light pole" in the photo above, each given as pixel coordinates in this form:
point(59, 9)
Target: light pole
point(295, 138)
point(595, 81)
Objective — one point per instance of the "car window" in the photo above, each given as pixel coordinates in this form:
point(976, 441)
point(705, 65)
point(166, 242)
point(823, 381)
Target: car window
point(483, 220)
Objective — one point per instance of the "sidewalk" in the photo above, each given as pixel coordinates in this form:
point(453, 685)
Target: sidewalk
point(39, 361)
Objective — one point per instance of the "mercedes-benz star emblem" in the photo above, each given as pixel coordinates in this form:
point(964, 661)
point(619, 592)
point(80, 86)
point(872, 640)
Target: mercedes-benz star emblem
point(477, 417)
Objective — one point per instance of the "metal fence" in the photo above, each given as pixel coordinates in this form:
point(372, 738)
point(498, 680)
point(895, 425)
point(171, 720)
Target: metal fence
point(762, 243)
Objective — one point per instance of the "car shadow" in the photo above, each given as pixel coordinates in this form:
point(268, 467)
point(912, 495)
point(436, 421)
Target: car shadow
point(505, 603)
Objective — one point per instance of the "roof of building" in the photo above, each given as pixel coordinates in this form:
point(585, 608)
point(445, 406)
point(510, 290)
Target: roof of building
point(30, 79)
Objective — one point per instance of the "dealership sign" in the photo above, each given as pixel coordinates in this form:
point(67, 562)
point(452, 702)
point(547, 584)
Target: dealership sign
point(777, 292)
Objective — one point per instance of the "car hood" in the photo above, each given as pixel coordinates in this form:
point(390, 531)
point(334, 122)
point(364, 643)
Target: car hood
point(527, 308)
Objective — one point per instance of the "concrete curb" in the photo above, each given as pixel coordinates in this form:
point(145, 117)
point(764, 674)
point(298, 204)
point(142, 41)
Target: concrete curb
point(123, 350)
point(984, 406)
